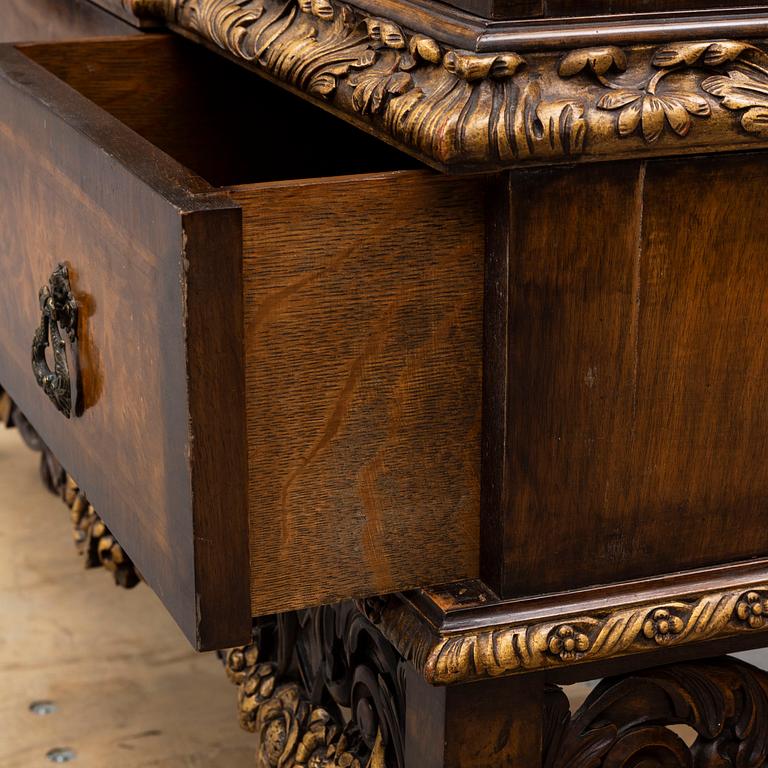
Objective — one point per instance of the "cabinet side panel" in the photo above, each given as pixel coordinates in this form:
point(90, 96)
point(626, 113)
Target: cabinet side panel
point(363, 327)
point(637, 368)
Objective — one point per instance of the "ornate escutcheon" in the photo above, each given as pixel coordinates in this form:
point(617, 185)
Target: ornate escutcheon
point(58, 325)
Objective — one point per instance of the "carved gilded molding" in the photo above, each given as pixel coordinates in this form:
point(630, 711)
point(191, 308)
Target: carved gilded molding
point(497, 650)
point(94, 541)
point(463, 110)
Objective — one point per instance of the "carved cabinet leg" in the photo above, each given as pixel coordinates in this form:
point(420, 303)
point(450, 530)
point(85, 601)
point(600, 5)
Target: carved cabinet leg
point(320, 688)
point(324, 688)
point(477, 725)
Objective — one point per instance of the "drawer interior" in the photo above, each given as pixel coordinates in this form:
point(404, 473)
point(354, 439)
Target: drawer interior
point(211, 115)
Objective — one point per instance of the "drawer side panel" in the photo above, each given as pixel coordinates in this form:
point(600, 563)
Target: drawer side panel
point(363, 328)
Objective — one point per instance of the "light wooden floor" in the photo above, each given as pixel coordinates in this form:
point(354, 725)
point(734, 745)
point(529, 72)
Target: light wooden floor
point(129, 690)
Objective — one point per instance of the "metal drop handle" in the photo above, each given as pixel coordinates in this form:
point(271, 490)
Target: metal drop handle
point(58, 329)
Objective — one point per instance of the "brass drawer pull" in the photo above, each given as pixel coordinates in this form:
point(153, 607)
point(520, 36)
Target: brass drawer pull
point(58, 321)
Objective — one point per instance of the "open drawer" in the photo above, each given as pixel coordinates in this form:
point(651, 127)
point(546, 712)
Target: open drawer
point(279, 366)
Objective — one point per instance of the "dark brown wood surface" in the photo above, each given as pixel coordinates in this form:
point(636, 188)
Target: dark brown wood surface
point(363, 327)
point(636, 434)
point(158, 336)
point(39, 20)
point(483, 725)
point(548, 9)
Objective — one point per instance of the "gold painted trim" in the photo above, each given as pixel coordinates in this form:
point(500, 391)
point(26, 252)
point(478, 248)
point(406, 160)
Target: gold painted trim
point(500, 650)
point(462, 110)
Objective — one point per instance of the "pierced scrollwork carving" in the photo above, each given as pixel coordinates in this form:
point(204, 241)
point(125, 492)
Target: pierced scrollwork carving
point(302, 673)
point(625, 722)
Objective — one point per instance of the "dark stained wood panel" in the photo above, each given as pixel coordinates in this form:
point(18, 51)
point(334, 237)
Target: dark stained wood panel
point(363, 332)
point(39, 20)
point(546, 10)
point(154, 254)
point(636, 432)
point(597, 7)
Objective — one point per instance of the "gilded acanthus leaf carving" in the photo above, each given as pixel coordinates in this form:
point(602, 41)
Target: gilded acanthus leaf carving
point(465, 109)
point(451, 105)
point(744, 91)
point(668, 97)
point(597, 60)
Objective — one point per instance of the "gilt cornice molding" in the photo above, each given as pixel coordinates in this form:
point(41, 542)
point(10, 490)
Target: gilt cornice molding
point(462, 110)
point(487, 645)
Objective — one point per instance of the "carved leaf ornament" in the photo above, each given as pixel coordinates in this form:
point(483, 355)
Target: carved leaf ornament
point(448, 103)
point(461, 107)
point(650, 106)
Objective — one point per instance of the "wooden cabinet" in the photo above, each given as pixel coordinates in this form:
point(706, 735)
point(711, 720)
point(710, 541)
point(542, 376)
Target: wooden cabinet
point(423, 442)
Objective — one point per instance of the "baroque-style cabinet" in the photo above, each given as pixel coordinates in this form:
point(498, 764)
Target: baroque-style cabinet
point(414, 353)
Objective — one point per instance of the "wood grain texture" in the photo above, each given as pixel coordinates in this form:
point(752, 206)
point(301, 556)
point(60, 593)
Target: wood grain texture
point(636, 426)
point(140, 234)
point(482, 725)
point(363, 329)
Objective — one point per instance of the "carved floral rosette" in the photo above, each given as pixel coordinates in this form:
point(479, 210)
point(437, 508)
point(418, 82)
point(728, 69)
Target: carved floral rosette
point(463, 109)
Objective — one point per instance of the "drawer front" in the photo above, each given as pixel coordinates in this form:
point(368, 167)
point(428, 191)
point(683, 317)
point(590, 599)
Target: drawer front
point(153, 260)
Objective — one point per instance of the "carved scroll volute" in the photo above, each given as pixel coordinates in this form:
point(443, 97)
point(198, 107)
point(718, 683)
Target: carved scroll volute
point(625, 722)
point(58, 329)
